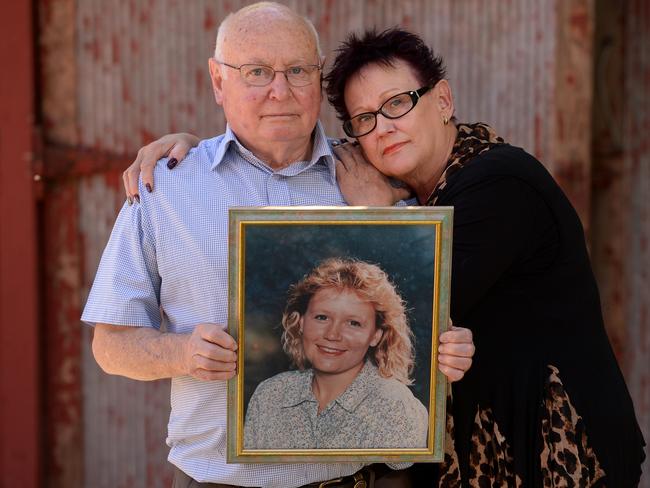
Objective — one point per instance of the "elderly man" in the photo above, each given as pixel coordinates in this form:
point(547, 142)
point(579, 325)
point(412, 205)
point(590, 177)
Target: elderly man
point(170, 251)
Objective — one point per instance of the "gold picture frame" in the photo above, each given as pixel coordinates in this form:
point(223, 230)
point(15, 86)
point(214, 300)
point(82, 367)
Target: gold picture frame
point(272, 249)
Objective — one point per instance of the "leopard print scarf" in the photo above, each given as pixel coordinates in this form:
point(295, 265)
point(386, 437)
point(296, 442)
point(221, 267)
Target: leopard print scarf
point(472, 140)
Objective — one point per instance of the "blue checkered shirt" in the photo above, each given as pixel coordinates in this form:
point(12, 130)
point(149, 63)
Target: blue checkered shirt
point(171, 252)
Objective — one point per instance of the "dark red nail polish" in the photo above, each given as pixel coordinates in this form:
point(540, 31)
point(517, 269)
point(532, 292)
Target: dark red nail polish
point(171, 164)
point(148, 187)
point(136, 198)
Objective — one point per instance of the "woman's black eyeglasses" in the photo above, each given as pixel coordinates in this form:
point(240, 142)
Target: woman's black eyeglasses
point(393, 108)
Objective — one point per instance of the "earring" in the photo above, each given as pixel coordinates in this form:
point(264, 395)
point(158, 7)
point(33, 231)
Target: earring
point(445, 120)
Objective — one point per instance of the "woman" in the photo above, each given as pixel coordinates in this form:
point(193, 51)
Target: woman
point(545, 403)
point(346, 332)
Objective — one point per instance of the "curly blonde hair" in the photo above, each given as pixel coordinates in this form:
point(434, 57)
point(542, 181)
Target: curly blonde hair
point(394, 354)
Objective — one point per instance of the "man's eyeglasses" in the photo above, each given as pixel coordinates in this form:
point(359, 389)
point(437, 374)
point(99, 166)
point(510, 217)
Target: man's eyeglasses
point(393, 108)
point(261, 75)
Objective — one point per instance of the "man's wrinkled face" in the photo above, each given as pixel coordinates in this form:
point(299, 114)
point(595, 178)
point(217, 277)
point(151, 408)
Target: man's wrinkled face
point(277, 112)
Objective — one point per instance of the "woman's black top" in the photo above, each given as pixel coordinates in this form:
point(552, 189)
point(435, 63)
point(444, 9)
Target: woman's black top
point(522, 282)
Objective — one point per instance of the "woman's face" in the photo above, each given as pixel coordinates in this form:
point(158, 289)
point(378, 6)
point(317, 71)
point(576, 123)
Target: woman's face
point(337, 330)
point(412, 147)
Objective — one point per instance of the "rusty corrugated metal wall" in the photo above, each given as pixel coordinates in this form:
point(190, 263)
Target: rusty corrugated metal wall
point(621, 190)
point(114, 76)
point(636, 127)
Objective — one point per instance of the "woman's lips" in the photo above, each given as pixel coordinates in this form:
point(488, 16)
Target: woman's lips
point(331, 351)
point(393, 148)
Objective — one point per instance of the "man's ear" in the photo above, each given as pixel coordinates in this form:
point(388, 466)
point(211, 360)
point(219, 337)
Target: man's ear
point(217, 80)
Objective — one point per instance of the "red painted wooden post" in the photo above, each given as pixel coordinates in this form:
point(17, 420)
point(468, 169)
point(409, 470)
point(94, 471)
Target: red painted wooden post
point(19, 340)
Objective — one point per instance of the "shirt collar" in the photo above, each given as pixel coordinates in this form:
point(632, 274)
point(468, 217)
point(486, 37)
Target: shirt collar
point(321, 154)
point(351, 398)
point(301, 390)
point(229, 138)
point(360, 388)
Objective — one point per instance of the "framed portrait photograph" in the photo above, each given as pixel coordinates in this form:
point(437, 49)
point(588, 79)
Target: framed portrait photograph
point(337, 313)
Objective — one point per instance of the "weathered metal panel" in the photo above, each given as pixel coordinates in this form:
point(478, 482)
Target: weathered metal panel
point(143, 65)
point(611, 182)
point(58, 82)
point(621, 191)
point(124, 421)
point(20, 421)
point(62, 259)
point(637, 158)
point(570, 112)
point(621, 186)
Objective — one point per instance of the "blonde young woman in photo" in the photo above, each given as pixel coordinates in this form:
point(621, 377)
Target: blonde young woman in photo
point(346, 332)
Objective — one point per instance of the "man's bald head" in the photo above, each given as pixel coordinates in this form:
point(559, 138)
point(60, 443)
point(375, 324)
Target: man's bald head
point(274, 120)
point(244, 23)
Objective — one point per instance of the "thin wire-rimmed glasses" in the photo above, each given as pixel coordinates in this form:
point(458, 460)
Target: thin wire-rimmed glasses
point(393, 108)
point(262, 75)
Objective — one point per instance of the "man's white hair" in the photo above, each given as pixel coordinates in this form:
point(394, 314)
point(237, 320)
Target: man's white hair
point(245, 11)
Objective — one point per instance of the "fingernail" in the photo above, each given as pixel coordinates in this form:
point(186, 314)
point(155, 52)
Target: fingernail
point(148, 187)
point(343, 140)
point(335, 143)
point(171, 164)
point(136, 198)
point(130, 200)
